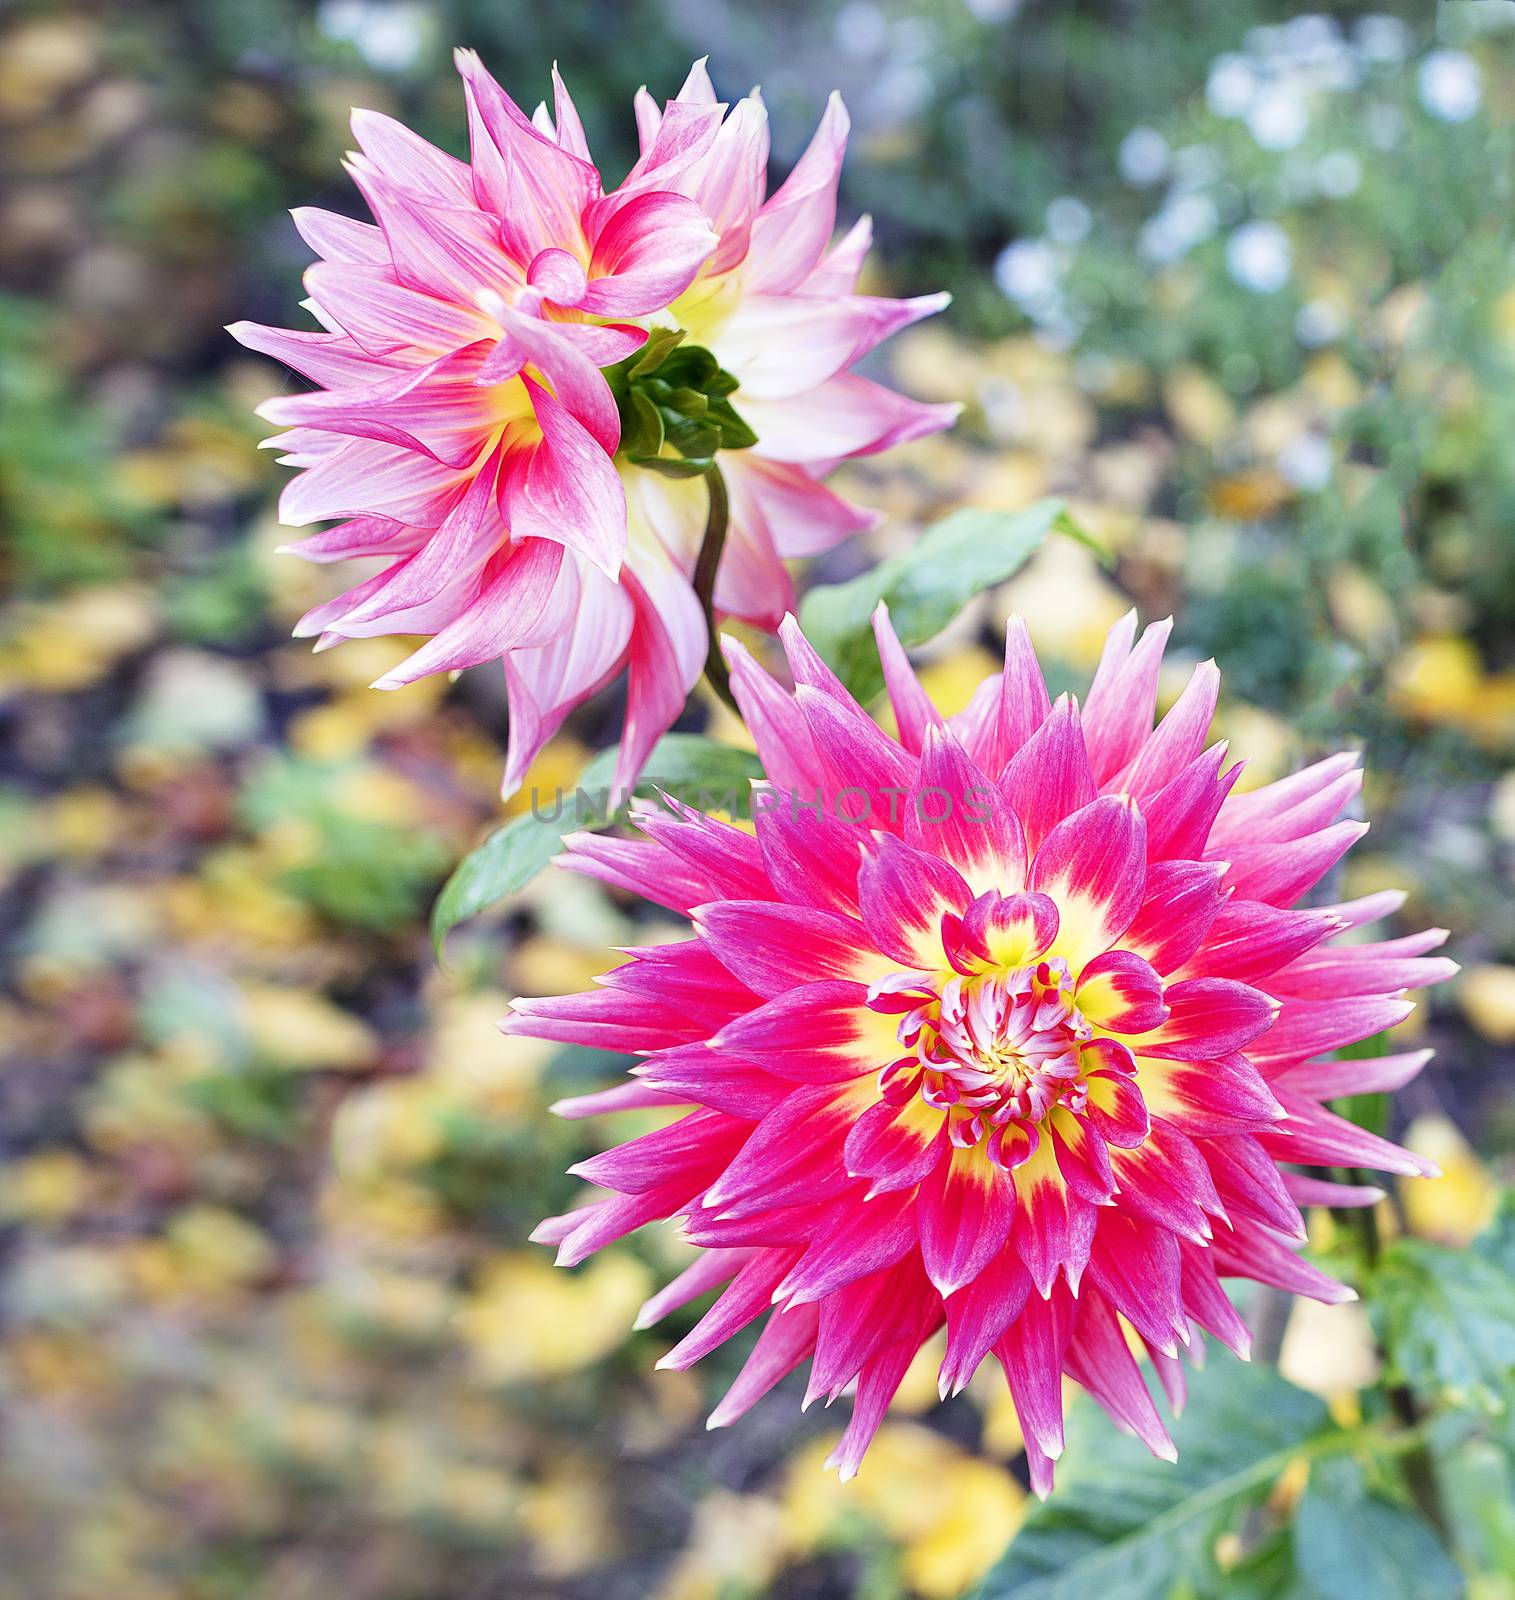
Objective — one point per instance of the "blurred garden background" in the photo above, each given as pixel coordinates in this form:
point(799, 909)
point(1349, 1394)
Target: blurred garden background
point(1237, 281)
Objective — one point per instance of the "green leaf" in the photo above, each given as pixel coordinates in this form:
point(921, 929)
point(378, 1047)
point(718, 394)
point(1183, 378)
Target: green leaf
point(924, 587)
point(1353, 1544)
point(1123, 1524)
point(696, 770)
point(1446, 1318)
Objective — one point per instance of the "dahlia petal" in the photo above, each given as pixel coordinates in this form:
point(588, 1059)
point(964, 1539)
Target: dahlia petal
point(820, 1033)
point(1207, 1303)
point(1307, 1191)
point(857, 759)
point(895, 1146)
point(1116, 1110)
point(1209, 1018)
point(711, 1078)
point(328, 358)
point(1121, 701)
point(1013, 929)
point(956, 812)
point(854, 1322)
point(966, 1208)
point(510, 611)
point(786, 345)
point(569, 492)
point(845, 416)
point(1032, 1353)
point(1098, 1357)
point(362, 536)
point(859, 1239)
point(707, 1271)
point(793, 226)
point(1180, 815)
point(1082, 1156)
point(647, 251)
point(803, 517)
point(839, 269)
point(409, 159)
point(1057, 1230)
point(1347, 971)
point(1253, 1252)
point(913, 710)
point(772, 948)
point(810, 858)
point(536, 188)
point(613, 1219)
point(1249, 941)
point(877, 1385)
point(778, 729)
point(637, 868)
point(977, 1317)
point(1178, 738)
point(578, 384)
point(339, 238)
point(665, 1154)
point(728, 184)
point(631, 1096)
point(1023, 702)
point(567, 126)
point(686, 975)
point(1253, 814)
point(1370, 908)
point(1119, 991)
point(745, 1298)
point(1048, 778)
point(1164, 1180)
point(1311, 1135)
point(1251, 1185)
point(1308, 1027)
point(1183, 899)
point(366, 476)
point(602, 1018)
point(664, 658)
point(783, 1344)
point(903, 894)
point(728, 859)
point(1206, 1098)
point(807, 667)
point(1375, 1075)
point(379, 314)
point(1280, 873)
point(1094, 865)
point(792, 1140)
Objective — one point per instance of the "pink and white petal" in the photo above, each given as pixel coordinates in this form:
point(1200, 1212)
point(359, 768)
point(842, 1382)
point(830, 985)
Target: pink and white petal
point(954, 811)
point(803, 517)
point(1183, 900)
point(1049, 778)
point(821, 1033)
point(338, 238)
point(913, 711)
point(965, 1210)
point(777, 726)
point(845, 416)
point(646, 251)
point(665, 657)
point(812, 859)
point(410, 160)
point(1177, 739)
point(895, 1147)
point(1120, 991)
point(773, 948)
point(511, 612)
point(1209, 1018)
point(903, 894)
point(569, 490)
point(794, 225)
point(1121, 702)
point(1093, 864)
point(1180, 815)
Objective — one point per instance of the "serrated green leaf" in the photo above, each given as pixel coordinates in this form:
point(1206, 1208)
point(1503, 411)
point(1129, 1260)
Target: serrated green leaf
point(1353, 1544)
point(1446, 1318)
point(697, 770)
point(924, 587)
point(1122, 1524)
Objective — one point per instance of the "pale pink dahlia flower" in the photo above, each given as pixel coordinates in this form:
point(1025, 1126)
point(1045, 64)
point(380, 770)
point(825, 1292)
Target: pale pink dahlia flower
point(1040, 1047)
point(467, 433)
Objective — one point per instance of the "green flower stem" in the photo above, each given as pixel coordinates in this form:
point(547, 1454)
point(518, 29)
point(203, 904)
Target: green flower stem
point(1418, 1467)
point(704, 583)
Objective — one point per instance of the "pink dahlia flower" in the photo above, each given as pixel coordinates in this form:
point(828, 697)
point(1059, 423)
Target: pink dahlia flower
point(474, 376)
point(1020, 1029)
